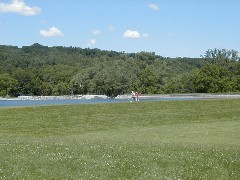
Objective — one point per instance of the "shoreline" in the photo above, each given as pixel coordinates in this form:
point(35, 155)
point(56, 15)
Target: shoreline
point(126, 96)
point(65, 97)
point(183, 96)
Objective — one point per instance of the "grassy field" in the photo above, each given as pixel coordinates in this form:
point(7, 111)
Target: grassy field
point(197, 139)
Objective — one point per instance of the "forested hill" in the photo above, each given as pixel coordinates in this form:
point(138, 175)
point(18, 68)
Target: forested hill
point(42, 70)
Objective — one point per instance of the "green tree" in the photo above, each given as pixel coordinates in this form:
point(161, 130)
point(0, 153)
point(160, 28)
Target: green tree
point(209, 79)
point(178, 84)
point(220, 56)
point(7, 85)
point(46, 89)
point(62, 88)
point(148, 81)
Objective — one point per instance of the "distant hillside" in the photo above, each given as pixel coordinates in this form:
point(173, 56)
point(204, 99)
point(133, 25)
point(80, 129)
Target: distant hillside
point(42, 70)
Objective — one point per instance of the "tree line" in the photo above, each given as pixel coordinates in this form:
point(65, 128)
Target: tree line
point(42, 70)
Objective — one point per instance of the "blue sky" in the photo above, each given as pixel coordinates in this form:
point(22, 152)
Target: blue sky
point(170, 28)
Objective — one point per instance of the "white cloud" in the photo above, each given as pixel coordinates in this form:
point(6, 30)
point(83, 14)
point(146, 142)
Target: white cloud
point(19, 7)
point(96, 32)
point(153, 6)
point(134, 34)
point(92, 42)
point(52, 32)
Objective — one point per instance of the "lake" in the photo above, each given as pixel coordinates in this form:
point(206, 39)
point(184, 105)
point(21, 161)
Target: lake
point(19, 103)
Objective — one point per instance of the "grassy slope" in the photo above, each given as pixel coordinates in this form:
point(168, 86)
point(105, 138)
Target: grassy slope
point(145, 140)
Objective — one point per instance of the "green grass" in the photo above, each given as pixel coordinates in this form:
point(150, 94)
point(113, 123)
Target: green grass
point(144, 140)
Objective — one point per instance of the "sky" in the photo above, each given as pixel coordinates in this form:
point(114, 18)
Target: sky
point(170, 28)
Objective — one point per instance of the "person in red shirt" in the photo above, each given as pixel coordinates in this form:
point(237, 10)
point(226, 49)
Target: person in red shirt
point(137, 96)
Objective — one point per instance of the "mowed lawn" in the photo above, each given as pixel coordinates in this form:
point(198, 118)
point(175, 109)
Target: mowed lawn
point(196, 139)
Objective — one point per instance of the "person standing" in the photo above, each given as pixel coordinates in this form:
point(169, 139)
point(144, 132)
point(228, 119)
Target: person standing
point(137, 96)
point(133, 96)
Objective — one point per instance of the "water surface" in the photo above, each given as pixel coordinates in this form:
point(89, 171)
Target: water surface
point(19, 103)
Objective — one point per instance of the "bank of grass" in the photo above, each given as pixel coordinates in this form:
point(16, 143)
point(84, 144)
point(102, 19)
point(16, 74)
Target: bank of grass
point(197, 139)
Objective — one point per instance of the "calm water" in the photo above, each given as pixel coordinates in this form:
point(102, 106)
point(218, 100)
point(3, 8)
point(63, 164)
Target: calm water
point(10, 103)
